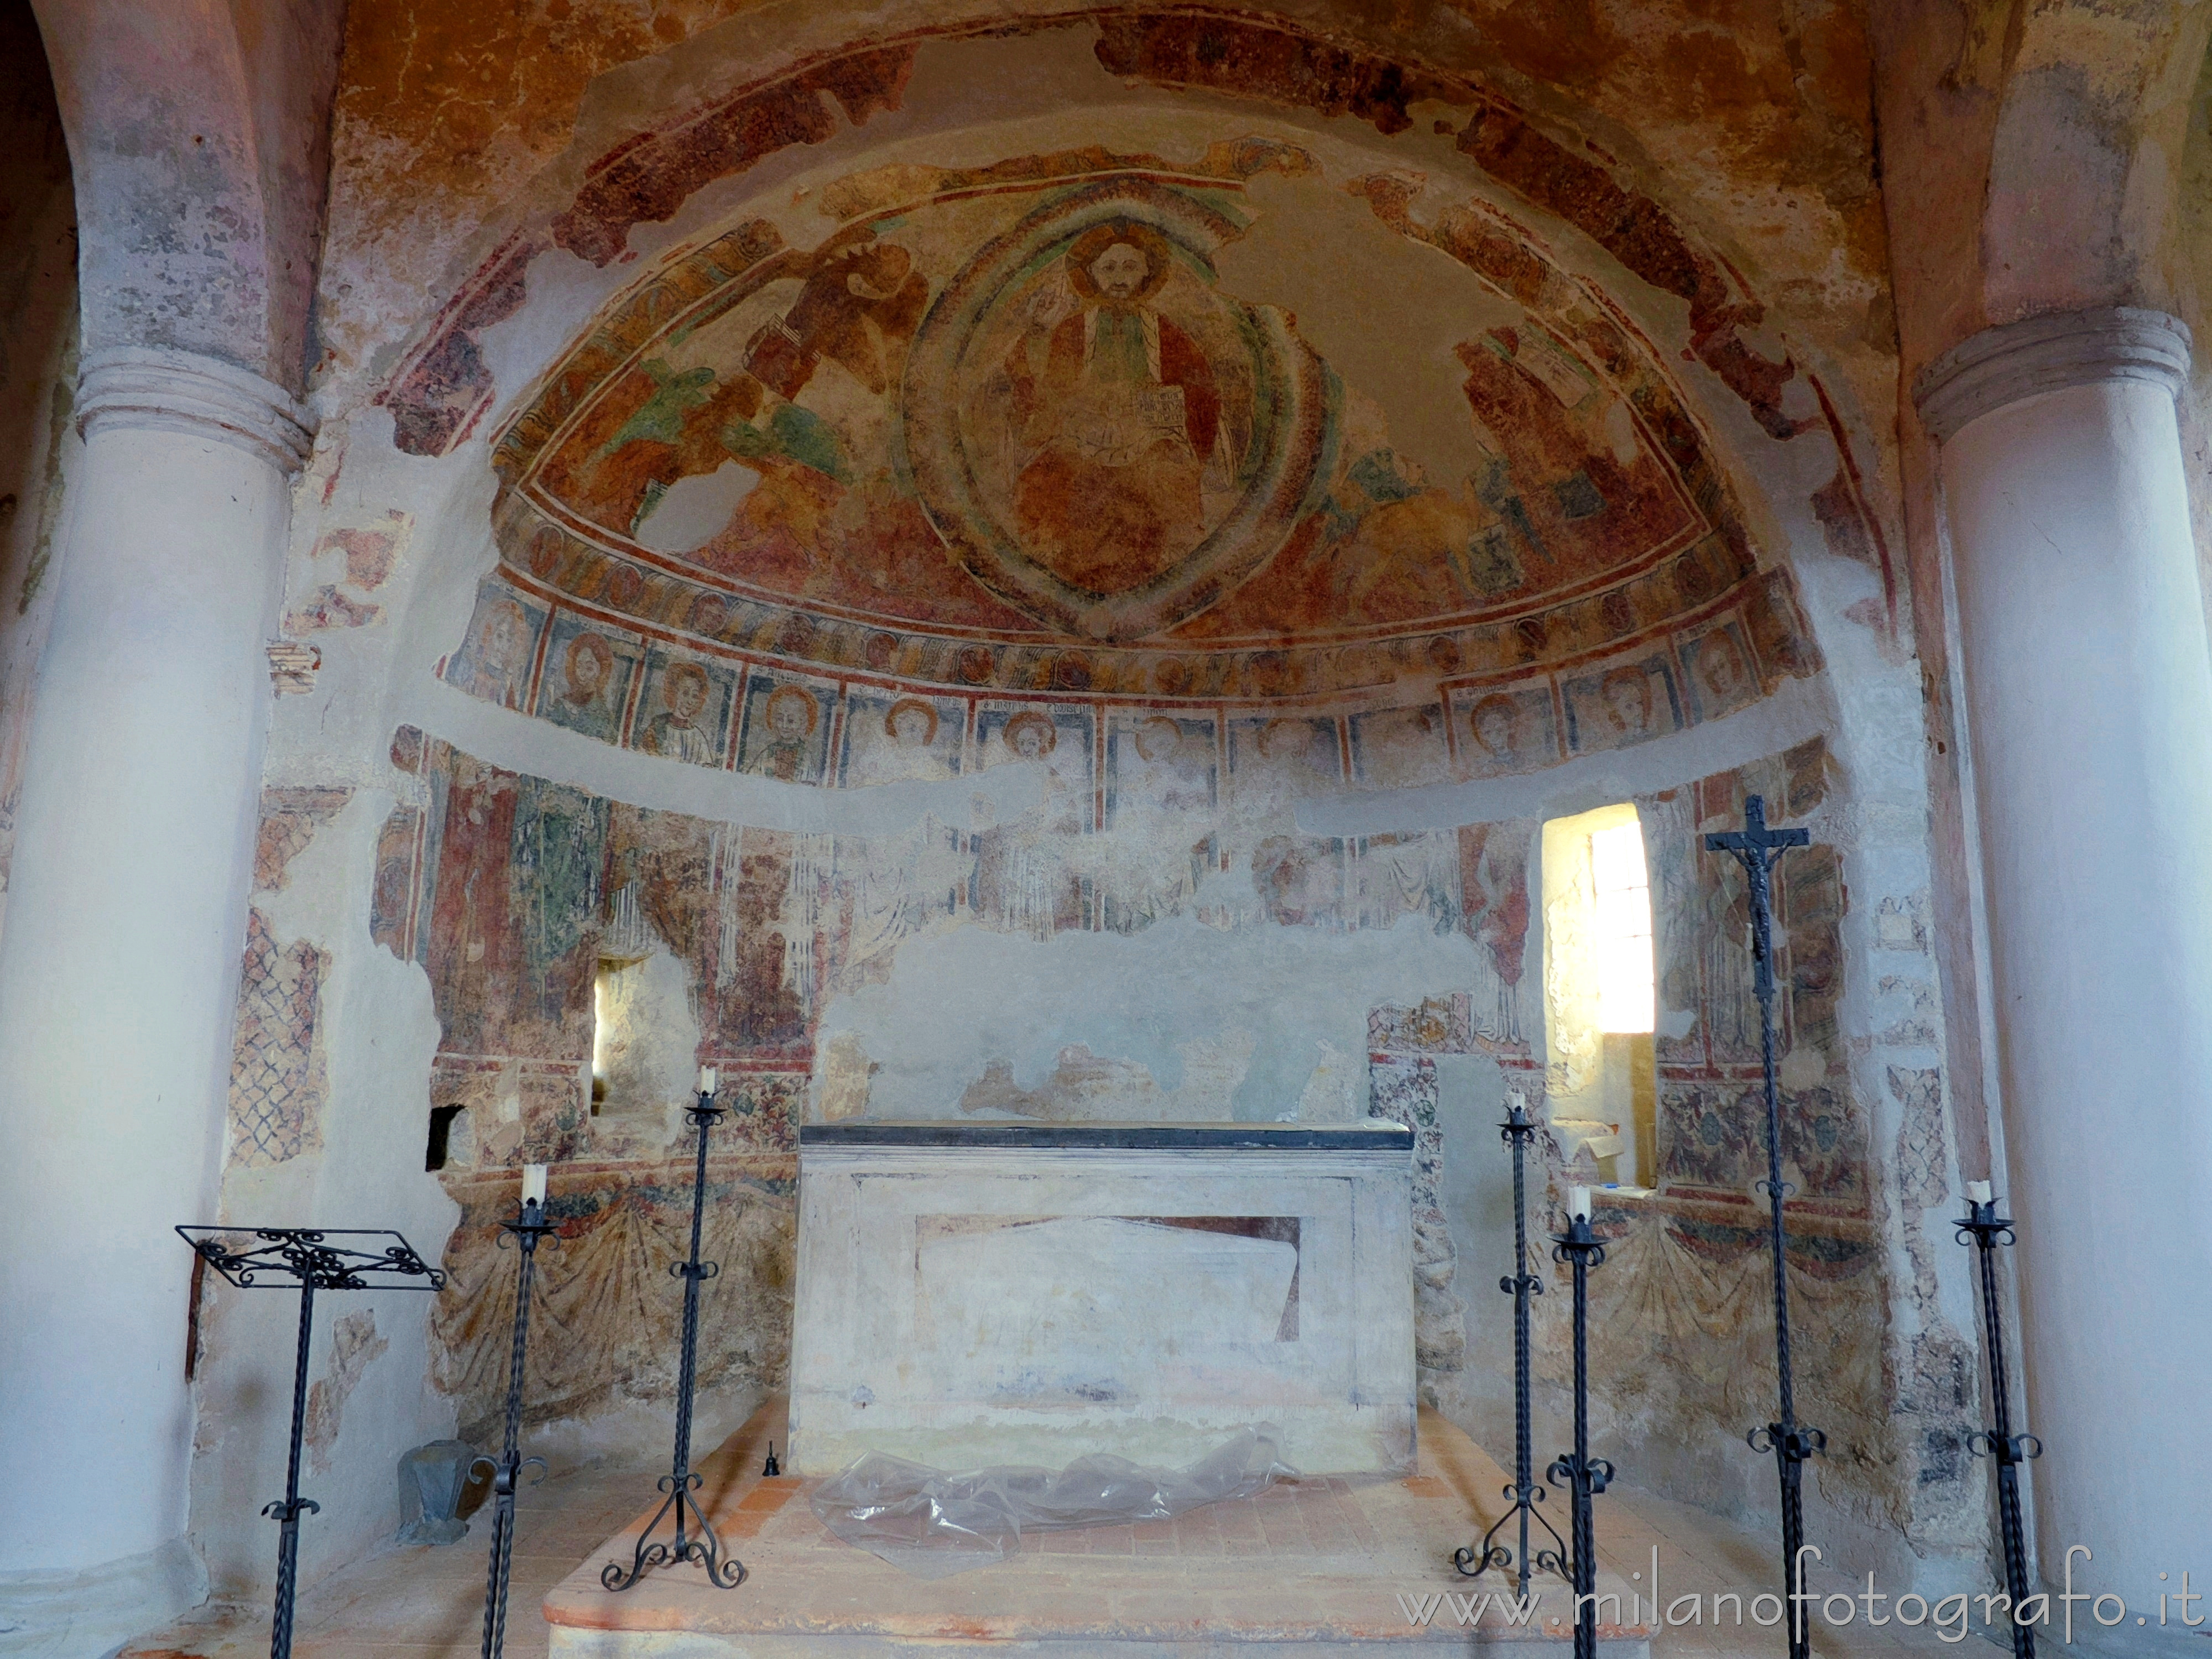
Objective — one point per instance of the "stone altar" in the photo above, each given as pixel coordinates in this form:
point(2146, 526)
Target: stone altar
point(1028, 1293)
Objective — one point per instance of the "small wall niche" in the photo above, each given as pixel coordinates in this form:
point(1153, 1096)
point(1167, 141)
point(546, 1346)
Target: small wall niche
point(441, 1146)
point(645, 1034)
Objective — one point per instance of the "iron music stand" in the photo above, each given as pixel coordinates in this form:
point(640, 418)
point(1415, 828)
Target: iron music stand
point(308, 1256)
point(1516, 1132)
point(528, 1229)
point(698, 1542)
point(1757, 848)
point(1984, 1229)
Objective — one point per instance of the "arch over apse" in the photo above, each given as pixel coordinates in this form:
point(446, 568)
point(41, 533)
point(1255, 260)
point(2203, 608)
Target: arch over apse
point(1575, 568)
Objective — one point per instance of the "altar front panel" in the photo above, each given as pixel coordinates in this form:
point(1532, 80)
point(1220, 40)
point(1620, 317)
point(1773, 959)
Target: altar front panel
point(973, 1294)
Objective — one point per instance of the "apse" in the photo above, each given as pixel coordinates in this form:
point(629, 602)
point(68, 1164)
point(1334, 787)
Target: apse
point(1077, 607)
point(1130, 627)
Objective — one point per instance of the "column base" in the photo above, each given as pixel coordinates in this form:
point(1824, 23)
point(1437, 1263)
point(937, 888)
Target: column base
point(89, 1612)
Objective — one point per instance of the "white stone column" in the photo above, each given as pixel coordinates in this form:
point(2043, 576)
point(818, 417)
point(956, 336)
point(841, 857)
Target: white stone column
point(119, 969)
point(2089, 694)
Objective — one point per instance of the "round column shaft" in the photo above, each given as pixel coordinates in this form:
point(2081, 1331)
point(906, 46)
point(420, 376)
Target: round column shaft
point(2088, 693)
point(119, 969)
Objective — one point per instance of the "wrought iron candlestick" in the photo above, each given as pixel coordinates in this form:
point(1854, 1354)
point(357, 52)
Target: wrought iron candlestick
point(1526, 1492)
point(310, 1257)
point(528, 1229)
point(1757, 848)
point(696, 1539)
point(1984, 1229)
point(1584, 1476)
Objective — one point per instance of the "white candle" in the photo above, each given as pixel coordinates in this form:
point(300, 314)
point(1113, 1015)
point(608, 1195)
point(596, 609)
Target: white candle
point(706, 1079)
point(1979, 1191)
point(533, 1183)
point(1578, 1202)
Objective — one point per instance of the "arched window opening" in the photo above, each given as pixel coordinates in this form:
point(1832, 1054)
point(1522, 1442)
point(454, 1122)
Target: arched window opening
point(1599, 996)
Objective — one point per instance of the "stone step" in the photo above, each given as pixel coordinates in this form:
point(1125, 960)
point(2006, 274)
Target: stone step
point(1336, 1565)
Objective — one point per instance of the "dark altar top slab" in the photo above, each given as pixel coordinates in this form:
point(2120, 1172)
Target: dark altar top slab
point(1375, 1134)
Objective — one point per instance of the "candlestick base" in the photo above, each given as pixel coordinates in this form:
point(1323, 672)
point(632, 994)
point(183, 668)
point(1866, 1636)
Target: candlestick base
point(695, 1541)
point(701, 1544)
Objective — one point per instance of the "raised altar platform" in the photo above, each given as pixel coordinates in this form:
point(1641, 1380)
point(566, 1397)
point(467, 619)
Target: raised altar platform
point(973, 1293)
point(1336, 1567)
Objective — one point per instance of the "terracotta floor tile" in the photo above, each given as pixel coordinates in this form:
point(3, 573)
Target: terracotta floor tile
point(1198, 1534)
point(1237, 1521)
point(1155, 1537)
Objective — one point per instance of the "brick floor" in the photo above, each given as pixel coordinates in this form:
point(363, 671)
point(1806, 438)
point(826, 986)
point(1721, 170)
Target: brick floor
point(1319, 1560)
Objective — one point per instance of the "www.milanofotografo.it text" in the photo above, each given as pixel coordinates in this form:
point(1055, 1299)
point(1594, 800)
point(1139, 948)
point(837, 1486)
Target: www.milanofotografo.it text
point(1951, 1617)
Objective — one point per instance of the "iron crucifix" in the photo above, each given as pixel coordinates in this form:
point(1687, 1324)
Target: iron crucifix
point(1757, 848)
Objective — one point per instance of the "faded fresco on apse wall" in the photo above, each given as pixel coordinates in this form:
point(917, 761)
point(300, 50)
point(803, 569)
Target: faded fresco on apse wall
point(278, 1085)
point(1711, 1113)
point(512, 891)
point(1681, 1321)
point(1013, 432)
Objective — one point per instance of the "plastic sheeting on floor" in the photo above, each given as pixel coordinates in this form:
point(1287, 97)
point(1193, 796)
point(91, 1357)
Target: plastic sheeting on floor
point(931, 1523)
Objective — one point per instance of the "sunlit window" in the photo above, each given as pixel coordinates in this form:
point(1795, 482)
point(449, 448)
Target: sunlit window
point(603, 1025)
point(1622, 926)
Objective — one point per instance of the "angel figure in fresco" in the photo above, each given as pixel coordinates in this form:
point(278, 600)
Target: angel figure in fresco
point(675, 730)
point(1274, 763)
point(500, 662)
point(588, 670)
point(1723, 681)
point(896, 886)
point(1400, 747)
point(791, 717)
point(1170, 774)
point(1032, 735)
point(1494, 897)
point(1163, 821)
point(1302, 750)
point(586, 667)
point(1630, 707)
point(907, 751)
point(1725, 930)
point(1123, 420)
point(1023, 877)
point(1494, 723)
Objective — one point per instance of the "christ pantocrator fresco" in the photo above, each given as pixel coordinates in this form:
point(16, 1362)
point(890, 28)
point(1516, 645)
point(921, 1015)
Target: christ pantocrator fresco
point(1102, 437)
point(1123, 422)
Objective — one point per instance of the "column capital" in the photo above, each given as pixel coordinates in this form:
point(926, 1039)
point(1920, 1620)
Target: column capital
point(2001, 365)
point(140, 387)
